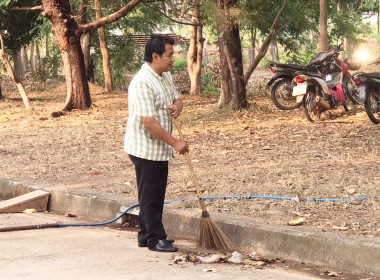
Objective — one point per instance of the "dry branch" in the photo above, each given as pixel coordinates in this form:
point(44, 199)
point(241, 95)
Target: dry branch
point(272, 34)
point(35, 8)
point(177, 21)
point(109, 19)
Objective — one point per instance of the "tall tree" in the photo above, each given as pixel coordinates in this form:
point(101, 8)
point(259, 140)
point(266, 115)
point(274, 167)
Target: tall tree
point(195, 52)
point(232, 89)
point(104, 49)
point(323, 39)
point(67, 32)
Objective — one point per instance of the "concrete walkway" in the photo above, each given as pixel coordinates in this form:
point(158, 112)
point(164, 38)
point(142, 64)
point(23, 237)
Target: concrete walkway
point(356, 255)
point(101, 253)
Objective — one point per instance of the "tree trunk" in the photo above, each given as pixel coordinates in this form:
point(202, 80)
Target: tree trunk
point(204, 52)
point(252, 51)
point(37, 61)
point(13, 76)
point(25, 60)
point(85, 38)
point(232, 90)
point(274, 50)
point(342, 40)
point(323, 40)
point(85, 41)
point(31, 61)
point(67, 35)
point(104, 50)
point(47, 50)
point(195, 52)
point(18, 65)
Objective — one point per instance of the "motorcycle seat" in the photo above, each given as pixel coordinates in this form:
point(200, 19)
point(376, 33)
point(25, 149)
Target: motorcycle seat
point(374, 75)
point(295, 67)
point(309, 73)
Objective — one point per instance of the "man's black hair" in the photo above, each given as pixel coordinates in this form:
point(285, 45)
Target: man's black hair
point(156, 44)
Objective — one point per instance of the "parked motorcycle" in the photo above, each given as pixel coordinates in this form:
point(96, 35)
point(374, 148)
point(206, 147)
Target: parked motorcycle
point(369, 92)
point(281, 93)
point(327, 89)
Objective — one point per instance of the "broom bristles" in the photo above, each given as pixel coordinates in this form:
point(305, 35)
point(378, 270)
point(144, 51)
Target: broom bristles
point(211, 236)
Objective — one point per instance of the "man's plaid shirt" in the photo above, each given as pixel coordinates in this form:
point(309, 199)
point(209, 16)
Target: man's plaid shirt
point(149, 95)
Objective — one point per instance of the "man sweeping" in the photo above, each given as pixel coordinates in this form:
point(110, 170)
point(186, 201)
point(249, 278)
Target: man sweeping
point(152, 103)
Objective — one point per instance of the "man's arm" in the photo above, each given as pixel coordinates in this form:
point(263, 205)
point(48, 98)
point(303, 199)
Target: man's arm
point(155, 128)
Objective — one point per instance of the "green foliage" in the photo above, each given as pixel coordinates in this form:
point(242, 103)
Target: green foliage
point(123, 58)
point(124, 55)
point(179, 64)
point(346, 23)
point(369, 5)
point(50, 65)
point(5, 3)
point(302, 57)
point(299, 16)
point(265, 62)
point(210, 82)
point(18, 27)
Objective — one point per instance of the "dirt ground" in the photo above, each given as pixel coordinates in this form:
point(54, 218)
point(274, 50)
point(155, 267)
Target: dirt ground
point(259, 151)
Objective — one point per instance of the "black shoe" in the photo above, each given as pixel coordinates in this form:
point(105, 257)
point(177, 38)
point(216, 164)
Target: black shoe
point(141, 244)
point(163, 246)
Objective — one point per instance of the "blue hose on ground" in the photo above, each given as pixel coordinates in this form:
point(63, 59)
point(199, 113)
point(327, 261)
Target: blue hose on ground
point(220, 197)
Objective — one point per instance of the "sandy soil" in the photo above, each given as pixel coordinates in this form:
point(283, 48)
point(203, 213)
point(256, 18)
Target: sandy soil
point(259, 151)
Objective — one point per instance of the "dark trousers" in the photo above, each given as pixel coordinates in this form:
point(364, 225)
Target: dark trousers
point(152, 177)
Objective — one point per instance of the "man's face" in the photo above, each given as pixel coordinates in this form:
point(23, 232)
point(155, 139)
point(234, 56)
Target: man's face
point(166, 60)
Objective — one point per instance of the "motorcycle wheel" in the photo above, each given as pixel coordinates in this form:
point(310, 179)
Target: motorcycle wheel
point(282, 97)
point(352, 92)
point(372, 106)
point(310, 108)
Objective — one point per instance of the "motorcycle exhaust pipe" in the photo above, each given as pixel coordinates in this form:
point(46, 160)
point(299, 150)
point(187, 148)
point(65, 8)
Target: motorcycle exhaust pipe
point(320, 101)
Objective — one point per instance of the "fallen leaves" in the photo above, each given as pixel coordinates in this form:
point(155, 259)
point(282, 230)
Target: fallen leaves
point(275, 154)
point(248, 260)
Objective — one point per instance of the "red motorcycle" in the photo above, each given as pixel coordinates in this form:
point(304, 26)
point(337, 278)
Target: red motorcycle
point(320, 92)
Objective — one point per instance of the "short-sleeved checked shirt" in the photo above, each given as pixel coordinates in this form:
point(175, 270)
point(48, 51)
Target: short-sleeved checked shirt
point(149, 95)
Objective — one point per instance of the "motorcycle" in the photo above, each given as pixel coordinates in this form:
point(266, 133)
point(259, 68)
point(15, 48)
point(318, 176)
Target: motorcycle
point(281, 93)
point(327, 89)
point(369, 92)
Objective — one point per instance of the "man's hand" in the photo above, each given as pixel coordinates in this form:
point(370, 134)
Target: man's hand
point(174, 110)
point(181, 147)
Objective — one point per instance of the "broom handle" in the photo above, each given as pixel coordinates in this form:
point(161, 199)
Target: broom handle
point(201, 202)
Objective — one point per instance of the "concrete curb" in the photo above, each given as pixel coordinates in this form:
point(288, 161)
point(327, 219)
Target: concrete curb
point(353, 254)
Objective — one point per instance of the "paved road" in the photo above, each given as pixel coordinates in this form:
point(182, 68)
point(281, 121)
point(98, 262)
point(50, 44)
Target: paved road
point(102, 253)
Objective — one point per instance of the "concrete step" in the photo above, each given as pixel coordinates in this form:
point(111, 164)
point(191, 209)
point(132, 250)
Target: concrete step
point(34, 200)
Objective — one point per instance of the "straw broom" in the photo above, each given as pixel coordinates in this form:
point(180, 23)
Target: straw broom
point(210, 234)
